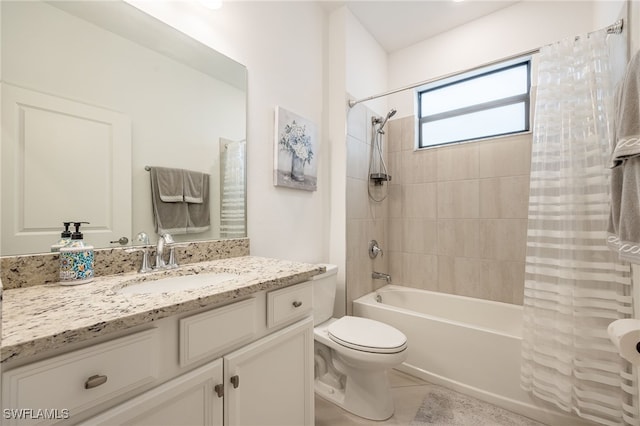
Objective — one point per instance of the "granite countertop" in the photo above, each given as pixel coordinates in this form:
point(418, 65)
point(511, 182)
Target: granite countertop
point(47, 317)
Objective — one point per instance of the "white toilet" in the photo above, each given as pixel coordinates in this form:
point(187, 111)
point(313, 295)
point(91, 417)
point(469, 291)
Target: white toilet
point(352, 355)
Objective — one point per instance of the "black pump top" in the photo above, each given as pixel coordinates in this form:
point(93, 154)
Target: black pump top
point(66, 233)
point(77, 235)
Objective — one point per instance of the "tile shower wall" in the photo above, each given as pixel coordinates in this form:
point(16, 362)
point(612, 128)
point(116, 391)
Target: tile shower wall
point(366, 219)
point(457, 215)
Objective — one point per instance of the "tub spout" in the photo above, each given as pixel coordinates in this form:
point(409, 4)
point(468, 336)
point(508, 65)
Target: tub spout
point(380, 276)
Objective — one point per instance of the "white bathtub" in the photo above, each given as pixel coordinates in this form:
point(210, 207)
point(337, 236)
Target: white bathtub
point(466, 344)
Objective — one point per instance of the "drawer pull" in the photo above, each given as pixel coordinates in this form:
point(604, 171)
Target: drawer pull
point(95, 381)
point(297, 304)
point(235, 381)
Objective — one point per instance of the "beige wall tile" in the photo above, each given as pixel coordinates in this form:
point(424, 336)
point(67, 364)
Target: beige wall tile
point(503, 239)
point(509, 156)
point(419, 166)
point(458, 162)
point(396, 201)
point(466, 277)
point(419, 236)
point(420, 270)
point(408, 133)
point(504, 197)
point(412, 236)
point(458, 199)
point(501, 279)
point(394, 135)
point(396, 167)
point(420, 200)
point(430, 236)
point(446, 274)
point(458, 237)
point(395, 267)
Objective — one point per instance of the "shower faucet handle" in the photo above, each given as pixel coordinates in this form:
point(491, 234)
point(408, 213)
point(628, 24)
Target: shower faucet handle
point(374, 249)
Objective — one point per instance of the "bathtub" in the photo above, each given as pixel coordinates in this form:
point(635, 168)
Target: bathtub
point(469, 345)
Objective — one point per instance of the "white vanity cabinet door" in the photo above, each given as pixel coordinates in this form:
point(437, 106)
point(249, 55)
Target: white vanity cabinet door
point(188, 400)
point(270, 382)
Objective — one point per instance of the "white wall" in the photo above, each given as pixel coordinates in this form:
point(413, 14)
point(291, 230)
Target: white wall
point(525, 26)
point(281, 43)
point(366, 64)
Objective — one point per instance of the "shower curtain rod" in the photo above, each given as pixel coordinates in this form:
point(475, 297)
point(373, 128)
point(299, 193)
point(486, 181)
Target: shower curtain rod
point(615, 28)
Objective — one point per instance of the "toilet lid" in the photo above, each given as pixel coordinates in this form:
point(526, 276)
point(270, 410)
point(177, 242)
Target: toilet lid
point(367, 335)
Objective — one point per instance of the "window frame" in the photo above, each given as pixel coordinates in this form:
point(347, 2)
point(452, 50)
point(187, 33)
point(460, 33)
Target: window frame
point(484, 106)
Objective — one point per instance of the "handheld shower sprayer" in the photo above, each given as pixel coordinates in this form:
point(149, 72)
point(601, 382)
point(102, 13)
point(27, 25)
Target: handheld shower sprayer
point(389, 115)
point(377, 168)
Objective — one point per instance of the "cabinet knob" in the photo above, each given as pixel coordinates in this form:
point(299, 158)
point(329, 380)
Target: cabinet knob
point(235, 381)
point(297, 304)
point(219, 389)
point(95, 381)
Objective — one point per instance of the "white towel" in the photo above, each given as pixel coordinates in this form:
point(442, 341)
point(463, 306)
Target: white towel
point(624, 220)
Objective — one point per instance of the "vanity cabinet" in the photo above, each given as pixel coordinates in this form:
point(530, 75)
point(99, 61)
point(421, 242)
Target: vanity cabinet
point(270, 382)
point(267, 382)
point(246, 363)
point(190, 399)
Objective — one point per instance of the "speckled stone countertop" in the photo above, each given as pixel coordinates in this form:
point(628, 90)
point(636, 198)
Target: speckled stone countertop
point(47, 317)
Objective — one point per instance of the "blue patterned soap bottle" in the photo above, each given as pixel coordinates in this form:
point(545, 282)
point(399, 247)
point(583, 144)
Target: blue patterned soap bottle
point(76, 260)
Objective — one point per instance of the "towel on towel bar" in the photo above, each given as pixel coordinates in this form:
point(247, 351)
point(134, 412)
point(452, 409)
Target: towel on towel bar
point(188, 214)
point(198, 213)
point(170, 184)
point(624, 219)
point(193, 186)
point(169, 217)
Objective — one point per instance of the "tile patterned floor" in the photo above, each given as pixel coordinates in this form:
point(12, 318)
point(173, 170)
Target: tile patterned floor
point(421, 403)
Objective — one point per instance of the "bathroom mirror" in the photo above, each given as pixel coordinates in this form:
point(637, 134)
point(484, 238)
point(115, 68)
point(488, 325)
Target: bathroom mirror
point(92, 92)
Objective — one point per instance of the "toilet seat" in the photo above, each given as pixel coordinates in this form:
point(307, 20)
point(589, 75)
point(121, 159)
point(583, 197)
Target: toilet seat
point(367, 335)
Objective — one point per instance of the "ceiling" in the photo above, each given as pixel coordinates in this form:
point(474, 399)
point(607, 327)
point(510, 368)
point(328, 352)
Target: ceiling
point(396, 24)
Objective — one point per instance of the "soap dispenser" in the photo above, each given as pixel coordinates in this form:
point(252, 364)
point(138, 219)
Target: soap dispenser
point(76, 260)
point(65, 238)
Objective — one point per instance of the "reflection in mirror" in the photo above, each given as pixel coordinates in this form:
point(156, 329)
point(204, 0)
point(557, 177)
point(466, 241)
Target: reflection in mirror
point(92, 92)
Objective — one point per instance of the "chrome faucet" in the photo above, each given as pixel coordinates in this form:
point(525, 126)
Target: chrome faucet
point(163, 240)
point(146, 265)
point(380, 276)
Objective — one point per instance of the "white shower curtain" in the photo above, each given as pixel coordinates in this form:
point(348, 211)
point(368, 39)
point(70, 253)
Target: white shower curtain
point(574, 285)
point(232, 187)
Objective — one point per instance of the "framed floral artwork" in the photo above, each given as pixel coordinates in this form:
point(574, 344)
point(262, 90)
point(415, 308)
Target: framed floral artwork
point(296, 151)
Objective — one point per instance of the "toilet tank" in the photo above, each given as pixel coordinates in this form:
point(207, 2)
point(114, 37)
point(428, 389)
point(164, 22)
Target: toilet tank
point(324, 294)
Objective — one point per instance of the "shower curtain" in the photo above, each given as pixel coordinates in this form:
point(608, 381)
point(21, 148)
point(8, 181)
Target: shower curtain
point(232, 189)
point(574, 285)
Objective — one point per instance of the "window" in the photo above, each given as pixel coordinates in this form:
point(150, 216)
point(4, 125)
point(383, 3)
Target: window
point(473, 106)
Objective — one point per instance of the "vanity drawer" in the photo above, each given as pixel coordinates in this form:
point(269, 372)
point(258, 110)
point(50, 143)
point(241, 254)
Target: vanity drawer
point(211, 333)
point(289, 303)
point(76, 381)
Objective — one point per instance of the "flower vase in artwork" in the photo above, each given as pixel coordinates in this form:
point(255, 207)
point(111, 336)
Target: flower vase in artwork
point(295, 140)
point(297, 168)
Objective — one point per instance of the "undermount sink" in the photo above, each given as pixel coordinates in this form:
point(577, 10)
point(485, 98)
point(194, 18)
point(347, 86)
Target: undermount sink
point(178, 283)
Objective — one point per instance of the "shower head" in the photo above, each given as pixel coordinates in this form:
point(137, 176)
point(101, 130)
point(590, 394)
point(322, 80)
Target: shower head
point(389, 115)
